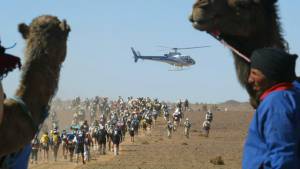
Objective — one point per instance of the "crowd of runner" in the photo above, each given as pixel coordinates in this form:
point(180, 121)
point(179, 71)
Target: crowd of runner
point(109, 123)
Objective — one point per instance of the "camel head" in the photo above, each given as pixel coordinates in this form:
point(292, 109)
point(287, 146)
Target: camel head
point(46, 47)
point(231, 17)
point(46, 34)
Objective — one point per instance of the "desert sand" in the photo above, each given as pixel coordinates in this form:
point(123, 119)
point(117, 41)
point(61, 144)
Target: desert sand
point(153, 150)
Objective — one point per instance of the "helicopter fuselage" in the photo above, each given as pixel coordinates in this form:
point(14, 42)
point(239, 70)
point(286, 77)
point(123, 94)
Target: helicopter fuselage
point(172, 58)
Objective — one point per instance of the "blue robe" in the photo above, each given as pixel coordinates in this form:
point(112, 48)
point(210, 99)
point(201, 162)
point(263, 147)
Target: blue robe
point(274, 134)
point(23, 159)
point(18, 160)
point(296, 84)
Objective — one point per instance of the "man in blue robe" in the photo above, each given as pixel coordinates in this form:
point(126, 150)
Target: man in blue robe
point(274, 134)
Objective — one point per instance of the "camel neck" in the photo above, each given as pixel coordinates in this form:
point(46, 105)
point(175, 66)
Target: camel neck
point(38, 85)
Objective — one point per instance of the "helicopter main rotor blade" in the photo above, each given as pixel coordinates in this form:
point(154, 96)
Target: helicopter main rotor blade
point(182, 48)
point(167, 47)
point(161, 46)
point(192, 47)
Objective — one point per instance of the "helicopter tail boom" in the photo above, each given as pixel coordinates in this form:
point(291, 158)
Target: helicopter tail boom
point(136, 54)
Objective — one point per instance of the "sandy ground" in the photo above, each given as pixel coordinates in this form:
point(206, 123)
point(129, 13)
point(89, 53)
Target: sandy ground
point(153, 150)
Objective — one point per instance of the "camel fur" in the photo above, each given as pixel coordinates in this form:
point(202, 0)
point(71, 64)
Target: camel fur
point(45, 51)
point(244, 24)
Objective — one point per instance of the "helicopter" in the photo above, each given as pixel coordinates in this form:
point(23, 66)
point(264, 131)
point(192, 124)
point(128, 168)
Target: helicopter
point(173, 58)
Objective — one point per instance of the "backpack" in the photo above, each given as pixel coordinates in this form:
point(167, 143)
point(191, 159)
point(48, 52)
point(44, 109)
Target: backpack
point(116, 138)
point(96, 132)
point(176, 118)
point(64, 137)
point(70, 138)
point(135, 122)
point(102, 132)
point(80, 138)
point(116, 133)
point(56, 139)
point(45, 139)
point(187, 124)
point(209, 117)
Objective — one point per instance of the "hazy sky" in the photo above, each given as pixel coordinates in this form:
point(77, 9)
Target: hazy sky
point(99, 60)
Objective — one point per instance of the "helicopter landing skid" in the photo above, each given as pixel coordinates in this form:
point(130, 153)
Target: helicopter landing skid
point(177, 69)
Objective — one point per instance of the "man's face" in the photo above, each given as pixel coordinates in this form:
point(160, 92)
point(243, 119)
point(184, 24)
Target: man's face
point(258, 81)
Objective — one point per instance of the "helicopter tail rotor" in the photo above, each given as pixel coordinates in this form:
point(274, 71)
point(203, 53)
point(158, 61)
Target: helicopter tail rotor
point(135, 54)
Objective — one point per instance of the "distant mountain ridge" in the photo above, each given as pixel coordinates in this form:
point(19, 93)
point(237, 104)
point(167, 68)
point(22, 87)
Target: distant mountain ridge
point(236, 105)
point(232, 102)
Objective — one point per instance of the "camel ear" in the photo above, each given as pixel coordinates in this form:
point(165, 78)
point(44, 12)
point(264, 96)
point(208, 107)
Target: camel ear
point(24, 30)
point(64, 26)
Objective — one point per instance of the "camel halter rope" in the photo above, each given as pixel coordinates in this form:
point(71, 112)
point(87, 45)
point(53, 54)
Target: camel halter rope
point(216, 35)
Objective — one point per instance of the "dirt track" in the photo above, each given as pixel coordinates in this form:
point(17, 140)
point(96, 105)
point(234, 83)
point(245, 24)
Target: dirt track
point(155, 151)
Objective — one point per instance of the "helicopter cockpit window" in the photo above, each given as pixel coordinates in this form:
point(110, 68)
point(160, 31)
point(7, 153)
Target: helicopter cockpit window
point(188, 59)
